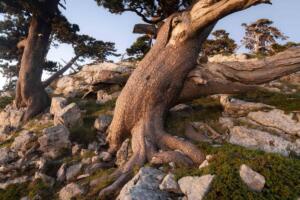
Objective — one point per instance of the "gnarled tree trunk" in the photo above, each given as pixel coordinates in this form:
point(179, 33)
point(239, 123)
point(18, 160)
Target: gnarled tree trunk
point(156, 85)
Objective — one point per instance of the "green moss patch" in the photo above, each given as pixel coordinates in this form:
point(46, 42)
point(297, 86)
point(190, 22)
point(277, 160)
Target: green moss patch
point(282, 174)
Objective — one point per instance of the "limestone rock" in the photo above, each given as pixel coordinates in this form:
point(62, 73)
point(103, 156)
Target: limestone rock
point(124, 153)
point(70, 191)
point(252, 179)
point(204, 164)
point(277, 119)
point(69, 116)
point(144, 186)
point(7, 156)
point(256, 139)
point(73, 171)
point(57, 104)
point(23, 141)
point(102, 122)
point(195, 187)
point(61, 173)
point(169, 184)
point(11, 117)
point(18, 180)
point(54, 140)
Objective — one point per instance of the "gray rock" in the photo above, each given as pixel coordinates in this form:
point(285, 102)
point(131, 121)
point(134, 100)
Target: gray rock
point(102, 122)
point(69, 116)
point(105, 156)
point(252, 179)
point(76, 149)
point(7, 156)
point(277, 119)
point(54, 140)
point(195, 188)
point(144, 186)
point(256, 139)
point(61, 173)
point(11, 117)
point(57, 104)
point(18, 180)
point(70, 191)
point(169, 184)
point(73, 171)
point(24, 141)
point(124, 153)
point(45, 178)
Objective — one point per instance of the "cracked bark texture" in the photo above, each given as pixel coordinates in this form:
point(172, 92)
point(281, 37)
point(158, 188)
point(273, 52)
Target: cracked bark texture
point(155, 86)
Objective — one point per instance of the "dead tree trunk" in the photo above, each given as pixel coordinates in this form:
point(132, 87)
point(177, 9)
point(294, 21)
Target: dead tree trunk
point(156, 85)
point(57, 74)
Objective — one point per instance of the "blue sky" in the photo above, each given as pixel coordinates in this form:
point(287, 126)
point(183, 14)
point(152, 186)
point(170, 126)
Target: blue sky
point(101, 24)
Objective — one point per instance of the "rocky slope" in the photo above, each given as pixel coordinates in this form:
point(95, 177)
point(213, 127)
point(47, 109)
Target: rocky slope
point(252, 143)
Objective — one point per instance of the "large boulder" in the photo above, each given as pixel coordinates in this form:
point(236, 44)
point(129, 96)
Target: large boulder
point(54, 141)
point(69, 116)
point(195, 187)
point(144, 186)
point(57, 104)
point(277, 119)
point(252, 179)
point(70, 191)
point(256, 139)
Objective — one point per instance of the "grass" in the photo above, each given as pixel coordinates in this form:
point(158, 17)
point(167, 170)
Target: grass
point(282, 174)
point(286, 102)
point(4, 101)
point(203, 109)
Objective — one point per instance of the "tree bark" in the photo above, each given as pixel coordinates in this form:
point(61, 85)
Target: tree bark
point(30, 91)
point(57, 74)
point(155, 86)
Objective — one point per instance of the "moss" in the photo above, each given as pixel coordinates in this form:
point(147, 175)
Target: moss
point(286, 102)
point(204, 109)
point(38, 187)
point(14, 192)
point(86, 133)
point(4, 101)
point(282, 174)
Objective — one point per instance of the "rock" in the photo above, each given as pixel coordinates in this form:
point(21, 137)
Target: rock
point(5, 133)
point(54, 141)
point(169, 184)
point(105, 156)
point(238, 107)
point(18, 180)
point(24, 141)
point(57, 104)
point(276, 119)
point(103, 97)
point(252, 179)
point(76, 149)
point(45, 178)
point(11, 117)
point(124, 153)
point(7, 156)
point(61, 173)
point(144, 186)
point(102, 122)
point(256, 139)
point(195, 188)
point(94, 146)
point(73, 171)
point(70, 191)
point(69, 116)
point(204, 164)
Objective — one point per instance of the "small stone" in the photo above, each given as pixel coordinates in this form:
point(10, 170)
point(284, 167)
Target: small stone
point(195, 188)
point(69, 116)
point(83, 176)
point(105, 156)
point(169, 184)
point(102, 122)
point(23, 141)
point(57, 104)
point(95, 159)
point(7, 156)
point(54, 140)
point(252, 179)
point(73, 171)
point(94, 146)
point(70, 191)
point(15, 181)
point(209, 157)
point(76, 149)
point(46, 179)
point(61, 173)
point(204, 164)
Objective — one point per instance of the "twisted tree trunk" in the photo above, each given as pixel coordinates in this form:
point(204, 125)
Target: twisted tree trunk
point(156, 85)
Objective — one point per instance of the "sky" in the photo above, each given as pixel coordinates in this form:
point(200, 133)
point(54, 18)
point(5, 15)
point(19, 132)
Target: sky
point(102, 25)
